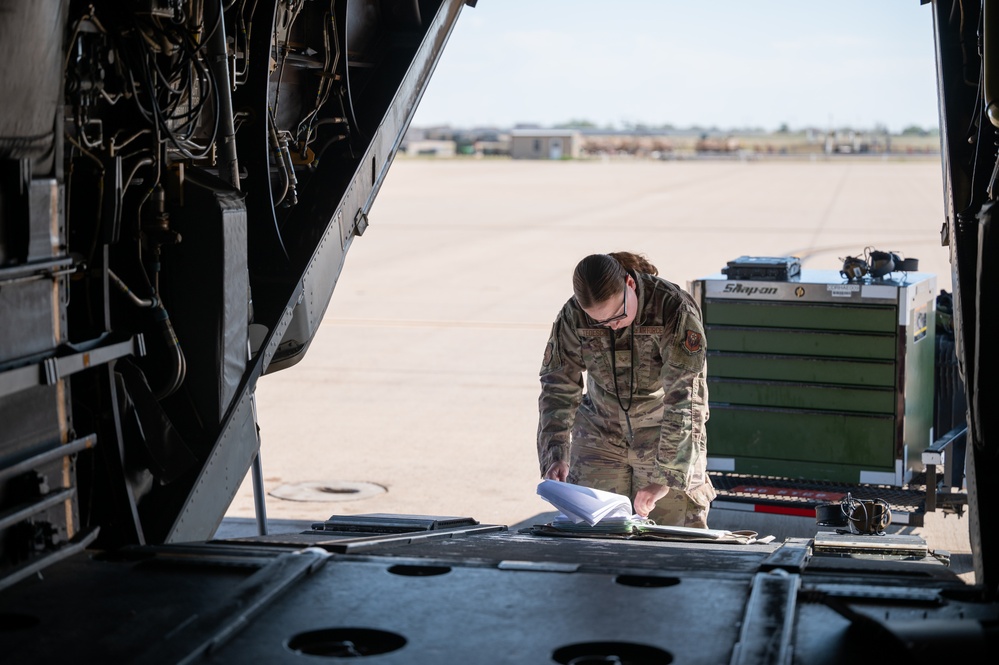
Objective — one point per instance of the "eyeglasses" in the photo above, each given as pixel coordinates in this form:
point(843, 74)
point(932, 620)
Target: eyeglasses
point(622, 315)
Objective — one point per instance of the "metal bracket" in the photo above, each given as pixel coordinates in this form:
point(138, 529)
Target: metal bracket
point(936, 455)
point(360, 223)
point(50, 370)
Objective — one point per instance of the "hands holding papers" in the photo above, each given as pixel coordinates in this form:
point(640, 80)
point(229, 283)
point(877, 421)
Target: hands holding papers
point(579, 504)
point(584, 504)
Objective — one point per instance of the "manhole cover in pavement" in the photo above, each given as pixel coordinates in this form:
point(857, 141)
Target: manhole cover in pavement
point(337, 490)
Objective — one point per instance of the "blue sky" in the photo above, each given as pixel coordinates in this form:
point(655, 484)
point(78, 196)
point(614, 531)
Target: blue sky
point(722, 63)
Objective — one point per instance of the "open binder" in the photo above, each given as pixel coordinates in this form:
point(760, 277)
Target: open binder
point(584, 511)
point(579, 504)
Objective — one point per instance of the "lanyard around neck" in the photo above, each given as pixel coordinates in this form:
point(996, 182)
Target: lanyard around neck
point(631, 380)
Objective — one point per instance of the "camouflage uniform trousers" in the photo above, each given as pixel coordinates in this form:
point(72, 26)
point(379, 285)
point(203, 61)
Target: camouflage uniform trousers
point(606, 463)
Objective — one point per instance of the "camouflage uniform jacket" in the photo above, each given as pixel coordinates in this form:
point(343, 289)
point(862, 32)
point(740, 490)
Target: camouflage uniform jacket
point(670, 389)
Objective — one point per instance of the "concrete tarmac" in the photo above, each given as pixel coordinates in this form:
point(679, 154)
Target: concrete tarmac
point(419, 393)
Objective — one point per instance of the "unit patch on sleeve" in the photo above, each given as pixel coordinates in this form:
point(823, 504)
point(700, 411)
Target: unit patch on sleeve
point(553, 353)
point(687, 345)
point(692, 341)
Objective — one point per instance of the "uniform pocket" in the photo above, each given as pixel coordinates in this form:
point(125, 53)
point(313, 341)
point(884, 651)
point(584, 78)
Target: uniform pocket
point(649, 363)
point(703, 495)
point(596, 359)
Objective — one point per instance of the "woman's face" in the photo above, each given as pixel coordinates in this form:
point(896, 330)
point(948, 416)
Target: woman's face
point(617, 311)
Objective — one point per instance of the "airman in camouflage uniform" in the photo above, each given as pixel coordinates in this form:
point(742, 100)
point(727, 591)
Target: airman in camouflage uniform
point(639, 427)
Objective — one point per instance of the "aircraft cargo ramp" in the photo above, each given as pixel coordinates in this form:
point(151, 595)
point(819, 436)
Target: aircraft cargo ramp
point(517, 598)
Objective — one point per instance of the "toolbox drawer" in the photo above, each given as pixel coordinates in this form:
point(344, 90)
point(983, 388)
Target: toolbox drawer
point(854, 318)
point(798, 341)
point(800, 369)
point(865, 440)
point(811, 396)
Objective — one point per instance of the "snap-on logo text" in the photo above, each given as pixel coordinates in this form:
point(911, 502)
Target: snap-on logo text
point(751, 290)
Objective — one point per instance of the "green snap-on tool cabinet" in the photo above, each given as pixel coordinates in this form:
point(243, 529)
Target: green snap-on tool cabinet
point(817, 377)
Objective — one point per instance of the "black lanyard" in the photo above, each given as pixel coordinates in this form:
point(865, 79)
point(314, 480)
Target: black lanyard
point(631, 382)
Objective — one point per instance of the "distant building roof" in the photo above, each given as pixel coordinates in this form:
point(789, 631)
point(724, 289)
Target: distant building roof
point(544, 132)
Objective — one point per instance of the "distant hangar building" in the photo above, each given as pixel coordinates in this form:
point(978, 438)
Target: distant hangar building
point(545, 144)
point(431, 148)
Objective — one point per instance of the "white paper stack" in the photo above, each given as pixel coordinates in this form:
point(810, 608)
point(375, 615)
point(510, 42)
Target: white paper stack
point(585, 504)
